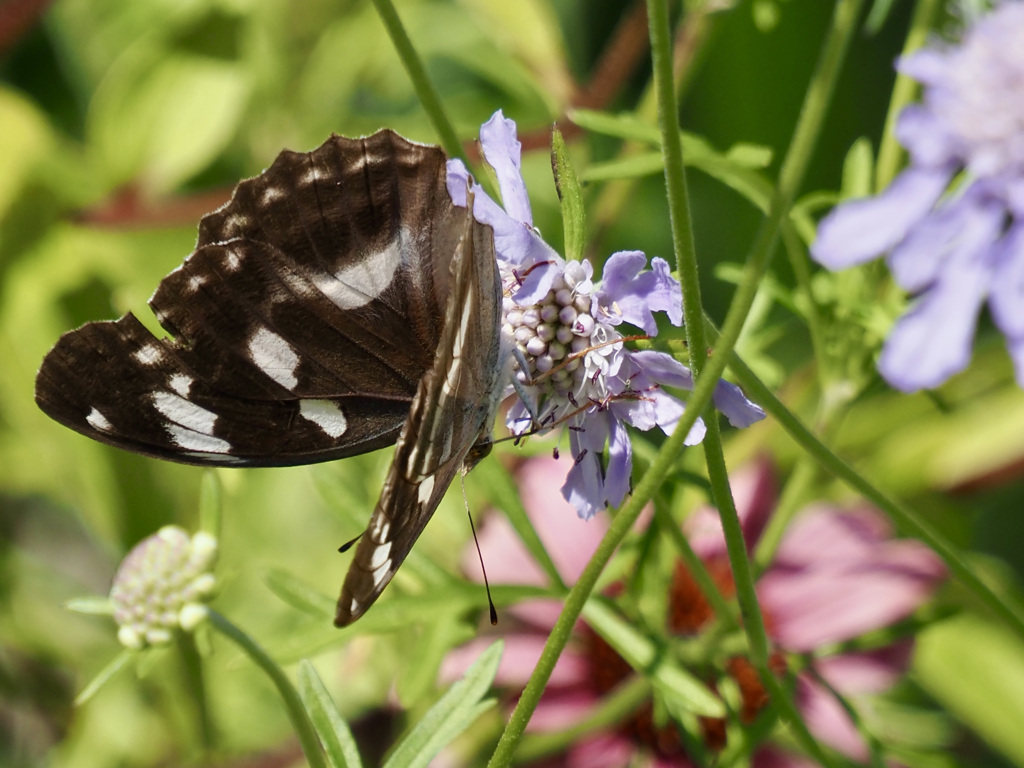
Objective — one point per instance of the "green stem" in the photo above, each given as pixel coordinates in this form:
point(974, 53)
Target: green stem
point(308, 739)
point(739, 563)
point(783, 699)
point(675, 181)
point(196, 686)
point(905, 520)
point(890, 153)
point(792, 173)
point(805, 295)
point(693, 313)
point(428, 95)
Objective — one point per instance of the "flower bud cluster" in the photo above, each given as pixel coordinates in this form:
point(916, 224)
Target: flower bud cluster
point(555, 333)
point(161, 584)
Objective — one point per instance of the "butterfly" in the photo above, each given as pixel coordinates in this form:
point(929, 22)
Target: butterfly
point(338, 303)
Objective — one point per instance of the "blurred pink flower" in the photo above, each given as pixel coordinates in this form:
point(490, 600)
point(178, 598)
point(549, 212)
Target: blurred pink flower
point(836, 575)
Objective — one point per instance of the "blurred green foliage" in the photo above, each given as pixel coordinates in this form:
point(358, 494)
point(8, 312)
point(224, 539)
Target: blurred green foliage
point(122, 123)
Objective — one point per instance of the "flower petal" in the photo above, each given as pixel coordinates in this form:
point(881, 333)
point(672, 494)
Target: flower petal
point(926, 137)
point(964, 231)
point(932, 341)
point(737, 407)
point(872, 671)
point(827, 720)
point(522, 651)
point(516, 243)
point(584, 485)
point(860, 230)
point(620, 463)
point(626, 294)
point(836, 577)
point(503, 151)
point(1007, 291)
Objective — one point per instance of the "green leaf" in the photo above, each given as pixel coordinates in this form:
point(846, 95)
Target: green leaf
point(678, 686)
point(338, 742)
point(571, 197)
point(451, 715)
point(622, 126)
point(754, 156)
point(299, 594)
point(165, 116)
point(631, 167)
point(858, 170)
point(976, 669)
point(26, 138)
point(93, 606)
point(104, 675)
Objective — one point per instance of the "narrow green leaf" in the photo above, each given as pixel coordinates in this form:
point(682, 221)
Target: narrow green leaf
point(621, 126)
point(753, 156)
point(677, 685)
point(299, 594)
point(104, 675)
point(338, 742)
point(631, 167)
point(93, 606)
point(451, 715)
point(570, 195)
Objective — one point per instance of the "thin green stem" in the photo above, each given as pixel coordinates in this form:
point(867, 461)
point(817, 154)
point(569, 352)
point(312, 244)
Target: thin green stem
point(428, 95)
point(796, 162)
point(693, 313)
point(890, 153)
point(195, 683)
point(783, 699)
point(675, 181)
point(308, 739)
point(812, 315)
point(742, 574)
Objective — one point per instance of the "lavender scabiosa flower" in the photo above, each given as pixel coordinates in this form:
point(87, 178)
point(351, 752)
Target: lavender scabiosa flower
point(160, 586)
point(566, 326)
point(952, 223)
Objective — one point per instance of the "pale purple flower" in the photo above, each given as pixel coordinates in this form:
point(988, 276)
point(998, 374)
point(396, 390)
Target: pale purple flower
point(161, 586)
point(566, 325)
point(952, 224)
point(836, 575)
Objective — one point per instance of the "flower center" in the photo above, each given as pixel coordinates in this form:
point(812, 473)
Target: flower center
point(570, 353)
point(985, 102)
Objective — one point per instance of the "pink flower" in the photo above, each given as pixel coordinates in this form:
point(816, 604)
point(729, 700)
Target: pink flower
point(836, 575)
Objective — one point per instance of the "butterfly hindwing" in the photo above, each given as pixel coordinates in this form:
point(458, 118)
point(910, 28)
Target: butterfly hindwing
point(302, 323)
point(449, 424)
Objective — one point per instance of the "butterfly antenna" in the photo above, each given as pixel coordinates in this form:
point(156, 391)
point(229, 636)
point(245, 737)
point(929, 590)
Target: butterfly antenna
point(348, 544)
point(480, 555)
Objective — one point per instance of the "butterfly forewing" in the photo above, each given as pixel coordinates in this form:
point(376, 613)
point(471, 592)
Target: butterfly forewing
point(302, 323)
point(448, 427)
